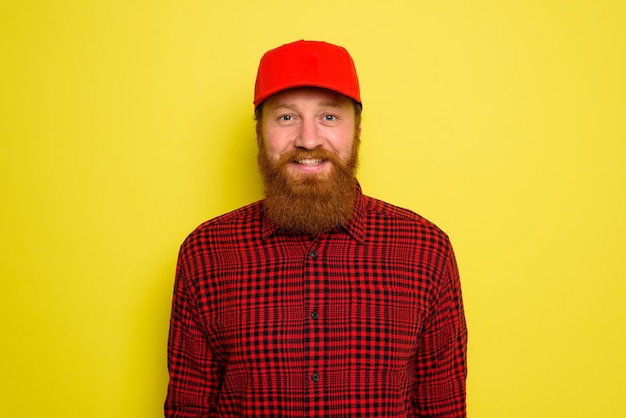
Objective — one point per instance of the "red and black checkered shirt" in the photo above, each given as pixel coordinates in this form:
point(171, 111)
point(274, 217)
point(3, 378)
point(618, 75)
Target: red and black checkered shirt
point(363, 321)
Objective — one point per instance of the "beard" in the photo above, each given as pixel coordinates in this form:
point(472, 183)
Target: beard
point(309, 203)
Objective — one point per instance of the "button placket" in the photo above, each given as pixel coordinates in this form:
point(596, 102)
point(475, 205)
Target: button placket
point(314, 299)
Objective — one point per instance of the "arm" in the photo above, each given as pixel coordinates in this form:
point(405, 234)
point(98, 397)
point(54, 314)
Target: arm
point(194, 371)
point(441, 367)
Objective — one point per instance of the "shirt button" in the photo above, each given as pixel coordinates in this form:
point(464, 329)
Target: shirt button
point(315, 315)
point(315, 377)
point(313, 254)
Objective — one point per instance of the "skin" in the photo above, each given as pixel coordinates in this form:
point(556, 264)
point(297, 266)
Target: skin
point(308, 119)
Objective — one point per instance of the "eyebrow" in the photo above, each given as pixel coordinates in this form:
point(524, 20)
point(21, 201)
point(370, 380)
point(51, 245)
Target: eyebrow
point(332, 104)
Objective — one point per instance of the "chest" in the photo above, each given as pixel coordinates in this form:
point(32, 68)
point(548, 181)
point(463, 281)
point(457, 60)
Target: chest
point(336, 298)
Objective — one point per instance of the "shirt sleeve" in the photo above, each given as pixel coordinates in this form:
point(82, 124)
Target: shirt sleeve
point(441, 368)
point(194, 371)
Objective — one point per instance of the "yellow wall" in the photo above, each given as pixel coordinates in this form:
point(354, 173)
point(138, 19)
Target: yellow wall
point(124, 124)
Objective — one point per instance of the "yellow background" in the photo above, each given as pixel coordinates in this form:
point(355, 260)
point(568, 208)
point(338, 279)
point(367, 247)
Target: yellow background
point(124, 124)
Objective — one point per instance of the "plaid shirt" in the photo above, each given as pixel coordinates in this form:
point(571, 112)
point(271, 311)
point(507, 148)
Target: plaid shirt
point(364, 321)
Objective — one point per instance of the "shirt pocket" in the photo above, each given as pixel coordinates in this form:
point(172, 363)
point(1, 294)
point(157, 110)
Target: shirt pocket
point(386, 325)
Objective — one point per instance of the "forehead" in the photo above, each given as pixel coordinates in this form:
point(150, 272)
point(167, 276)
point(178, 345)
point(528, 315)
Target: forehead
point(309, 95)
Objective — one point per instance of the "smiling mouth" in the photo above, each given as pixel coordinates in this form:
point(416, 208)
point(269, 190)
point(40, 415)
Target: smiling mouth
point(310, 162)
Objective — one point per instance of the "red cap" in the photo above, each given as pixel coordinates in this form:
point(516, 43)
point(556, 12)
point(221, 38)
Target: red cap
point(303, 64)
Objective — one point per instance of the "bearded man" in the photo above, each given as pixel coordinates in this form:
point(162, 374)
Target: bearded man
point(318, 300)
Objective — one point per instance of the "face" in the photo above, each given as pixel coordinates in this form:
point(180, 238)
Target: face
point(308, 152)
point(313, 125)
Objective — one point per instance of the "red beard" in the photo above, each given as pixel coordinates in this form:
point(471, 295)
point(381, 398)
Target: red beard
point(309, 204)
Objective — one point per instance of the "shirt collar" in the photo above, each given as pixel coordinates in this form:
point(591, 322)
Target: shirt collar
point(355, 227)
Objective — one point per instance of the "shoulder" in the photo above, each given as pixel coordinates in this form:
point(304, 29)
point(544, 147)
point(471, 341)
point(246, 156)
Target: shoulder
point(377, 207)
point(241, 221)
point(400, 220)
point(243, 214)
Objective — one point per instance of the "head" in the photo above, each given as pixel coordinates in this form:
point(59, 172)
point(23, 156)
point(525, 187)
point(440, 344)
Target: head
point(308, 124)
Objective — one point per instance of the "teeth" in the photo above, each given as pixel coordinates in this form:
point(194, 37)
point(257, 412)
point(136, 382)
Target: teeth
point(310, 161)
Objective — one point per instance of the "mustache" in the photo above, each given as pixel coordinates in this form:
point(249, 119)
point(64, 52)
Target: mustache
point(315, 154)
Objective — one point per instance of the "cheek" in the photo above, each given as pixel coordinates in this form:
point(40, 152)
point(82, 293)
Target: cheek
point(272, 145)
point(344, 144)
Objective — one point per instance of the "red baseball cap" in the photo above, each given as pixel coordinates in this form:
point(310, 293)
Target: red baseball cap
point(306, 64)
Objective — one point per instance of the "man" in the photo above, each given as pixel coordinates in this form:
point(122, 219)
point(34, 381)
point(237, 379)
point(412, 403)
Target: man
point(317, 301)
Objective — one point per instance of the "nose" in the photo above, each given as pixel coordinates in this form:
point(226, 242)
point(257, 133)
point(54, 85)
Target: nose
point(308, 135)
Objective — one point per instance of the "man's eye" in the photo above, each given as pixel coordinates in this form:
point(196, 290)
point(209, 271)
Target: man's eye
point(285, 118)
point(330, 118)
